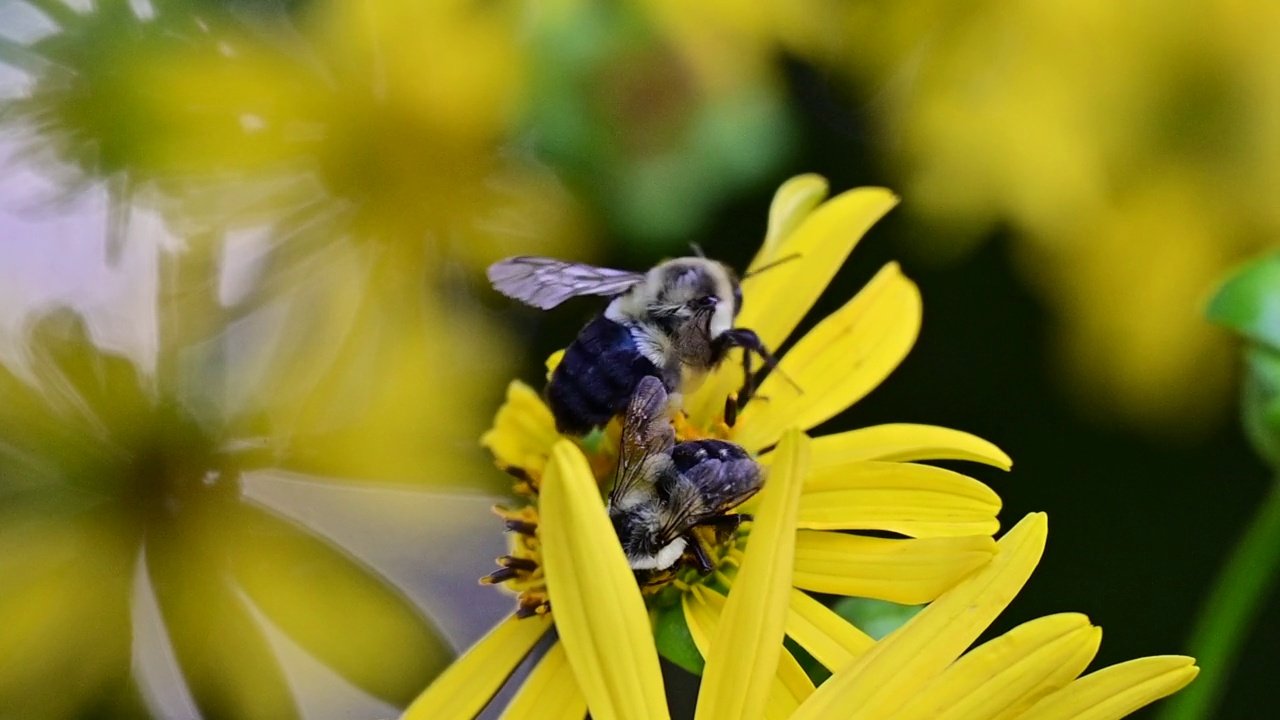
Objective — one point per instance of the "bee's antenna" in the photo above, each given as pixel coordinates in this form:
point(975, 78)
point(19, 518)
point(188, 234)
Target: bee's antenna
point(697, 249)
point(772, 265)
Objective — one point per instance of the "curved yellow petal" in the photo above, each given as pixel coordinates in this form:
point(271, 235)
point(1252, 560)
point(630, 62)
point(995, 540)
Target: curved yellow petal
point(905, 442)
point(775, 301)
point(471, 681)
point(1116, 691)
point(523, 431)
point(908, 572)
point(829, 638)
point(1005, 676)
point(914, 500)
point(792, 203)
point(790, 687)
point(598, 610)
point(702, 608)
point(884, 678)
point(838, 362)
point(787, 688)
point(747, 642)
point(550, 692)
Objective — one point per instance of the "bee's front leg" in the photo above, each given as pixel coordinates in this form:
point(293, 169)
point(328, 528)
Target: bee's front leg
point(750, 342)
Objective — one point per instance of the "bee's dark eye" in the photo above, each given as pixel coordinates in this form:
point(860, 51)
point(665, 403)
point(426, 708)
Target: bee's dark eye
point(707, 301)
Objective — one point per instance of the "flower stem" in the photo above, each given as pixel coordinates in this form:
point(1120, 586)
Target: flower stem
point(1230, 611)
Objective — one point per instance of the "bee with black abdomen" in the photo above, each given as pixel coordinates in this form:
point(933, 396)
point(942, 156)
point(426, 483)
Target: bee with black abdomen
point(663, 489)
point(674, 322)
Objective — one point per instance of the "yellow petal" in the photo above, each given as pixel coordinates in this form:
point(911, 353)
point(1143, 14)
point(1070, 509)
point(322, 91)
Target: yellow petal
point(792, 203)
point(596, 602)
point(550, 692)
point(884, 678)
point(838, 362)
point(471, 681)
point(523, 431)
point(829, 638)
point(1116, 691)
point(702, 609)
point(776, 300)
point(790, 687)
point(909, 572)
point(914, 500)
point(1004, 677)
point(553, 362)
point(905, 442)
point(747, 641)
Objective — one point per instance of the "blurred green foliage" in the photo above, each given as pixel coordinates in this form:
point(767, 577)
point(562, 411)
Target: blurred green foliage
point(1249, 303)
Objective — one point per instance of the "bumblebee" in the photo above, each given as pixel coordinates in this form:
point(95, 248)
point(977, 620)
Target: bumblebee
point(663, 489)
point(674, 323)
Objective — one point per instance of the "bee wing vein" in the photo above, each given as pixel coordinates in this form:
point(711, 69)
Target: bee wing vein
point(546, 282)
point(646, 434)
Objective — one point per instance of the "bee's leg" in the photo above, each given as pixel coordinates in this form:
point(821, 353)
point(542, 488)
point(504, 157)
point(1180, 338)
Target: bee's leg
point(731, 410)
point(738, 400)
point(700, 556)
point(728, 520)
point(750, 342)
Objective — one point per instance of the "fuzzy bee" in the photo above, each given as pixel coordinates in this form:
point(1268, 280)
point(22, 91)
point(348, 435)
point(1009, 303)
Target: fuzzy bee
point(674, 322)
point(664, 490)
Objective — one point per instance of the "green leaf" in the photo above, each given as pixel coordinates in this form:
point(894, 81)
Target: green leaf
point(817, 673)
point(333, 606)
point(1249, 302)
point(671, 633)
point(1260, 402)
point(876, 618)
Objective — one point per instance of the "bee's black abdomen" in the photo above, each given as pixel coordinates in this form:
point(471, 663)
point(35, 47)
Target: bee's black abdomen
point(596, 377)
point(687, 455)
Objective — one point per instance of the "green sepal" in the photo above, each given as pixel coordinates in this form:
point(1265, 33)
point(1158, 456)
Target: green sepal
point(1249, 302)
point(592, 441)
point(675, 643)
point(876, 618)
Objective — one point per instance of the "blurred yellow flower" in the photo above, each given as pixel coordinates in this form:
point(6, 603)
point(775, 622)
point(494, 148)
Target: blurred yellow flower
point(116, 487)
point(1130, 147)
point(382, 120)
point(860, 480)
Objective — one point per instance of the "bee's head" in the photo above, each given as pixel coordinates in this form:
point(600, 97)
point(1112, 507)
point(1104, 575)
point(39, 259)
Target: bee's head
point(694, 287)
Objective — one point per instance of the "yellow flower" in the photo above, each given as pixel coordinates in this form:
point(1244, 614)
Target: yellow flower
point(918, 671)
point(860, 480)
point(380, 120)
point(1146, 163)
point(121, 489)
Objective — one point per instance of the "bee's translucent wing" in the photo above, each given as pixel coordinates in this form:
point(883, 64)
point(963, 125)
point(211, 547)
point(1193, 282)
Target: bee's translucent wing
point(546, 282)
point(647, 439)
